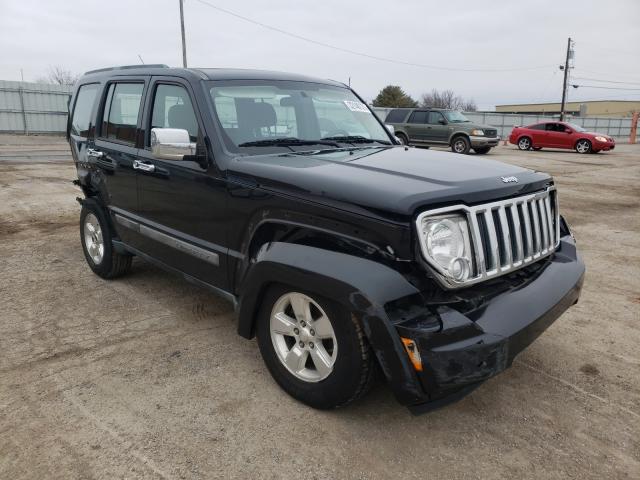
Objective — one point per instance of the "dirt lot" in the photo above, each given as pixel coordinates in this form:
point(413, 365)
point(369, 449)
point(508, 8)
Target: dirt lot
point(145, 377)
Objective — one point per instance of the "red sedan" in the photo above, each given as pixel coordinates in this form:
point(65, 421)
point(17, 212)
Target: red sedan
point(560, 135)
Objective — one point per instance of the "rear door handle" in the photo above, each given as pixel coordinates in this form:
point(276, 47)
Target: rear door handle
point(145, 167)
point(94, 153)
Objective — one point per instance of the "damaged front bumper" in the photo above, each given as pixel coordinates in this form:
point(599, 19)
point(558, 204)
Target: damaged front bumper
point(460, 347)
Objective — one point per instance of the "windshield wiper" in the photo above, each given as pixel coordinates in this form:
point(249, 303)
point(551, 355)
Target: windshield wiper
point(355, 139)
point(286, 142)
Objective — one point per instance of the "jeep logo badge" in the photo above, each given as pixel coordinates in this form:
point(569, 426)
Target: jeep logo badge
point(509, 179)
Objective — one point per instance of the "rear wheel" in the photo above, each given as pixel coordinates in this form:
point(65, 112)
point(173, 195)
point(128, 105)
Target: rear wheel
point(403, 138)
point(315, 349)
point(460, 144)
point(96, 236)
point(583, 146)
point(524, 143)
point(482, 150)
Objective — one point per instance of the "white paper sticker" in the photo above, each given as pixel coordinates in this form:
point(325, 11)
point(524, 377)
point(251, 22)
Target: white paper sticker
point(356, 106)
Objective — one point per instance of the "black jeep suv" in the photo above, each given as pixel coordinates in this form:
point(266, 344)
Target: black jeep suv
point(342, 251)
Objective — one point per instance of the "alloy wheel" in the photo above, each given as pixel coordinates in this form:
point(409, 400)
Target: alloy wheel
point(93, 240)
point(583, 146)
point(459, 146)
point(303, 337)
point(524, 144)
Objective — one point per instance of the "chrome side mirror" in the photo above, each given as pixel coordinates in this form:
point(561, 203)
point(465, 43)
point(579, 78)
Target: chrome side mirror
point(171, 143)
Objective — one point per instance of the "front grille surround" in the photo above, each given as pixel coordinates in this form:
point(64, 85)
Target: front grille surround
point(504, 235)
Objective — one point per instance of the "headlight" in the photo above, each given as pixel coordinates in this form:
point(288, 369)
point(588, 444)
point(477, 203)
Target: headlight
point(477, 132)
point(444, 241)
point(601, 139)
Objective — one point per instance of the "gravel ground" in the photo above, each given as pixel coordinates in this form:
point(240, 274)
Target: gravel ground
point(145, 377)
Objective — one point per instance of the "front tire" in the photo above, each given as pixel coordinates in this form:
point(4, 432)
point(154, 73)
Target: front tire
point(583, 146)
point(403, 138)
point(96, 236)
point(461, 145)
point(482, 150)
point(314, 348)
point(524, 143)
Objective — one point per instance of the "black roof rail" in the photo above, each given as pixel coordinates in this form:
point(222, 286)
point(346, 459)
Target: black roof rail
point(125, 67)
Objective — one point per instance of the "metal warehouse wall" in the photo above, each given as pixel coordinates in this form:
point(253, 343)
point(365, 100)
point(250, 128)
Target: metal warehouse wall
point(614, 127)
point(33, 107)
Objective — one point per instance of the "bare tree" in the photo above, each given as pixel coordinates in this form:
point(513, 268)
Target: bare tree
point(447, 99)
point(59, 76)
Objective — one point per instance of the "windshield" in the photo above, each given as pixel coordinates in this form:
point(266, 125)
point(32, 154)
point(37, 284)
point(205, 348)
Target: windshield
point(264, 116)
point(455, 117)
point(577, 128)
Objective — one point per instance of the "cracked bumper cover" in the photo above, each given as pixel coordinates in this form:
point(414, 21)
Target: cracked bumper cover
point(460, 351)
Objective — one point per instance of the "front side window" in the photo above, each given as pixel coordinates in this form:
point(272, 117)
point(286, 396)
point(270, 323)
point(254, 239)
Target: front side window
point(81, 118)
point(258, 116)
point(122, 106)
point(172, 108)
point(435, 118)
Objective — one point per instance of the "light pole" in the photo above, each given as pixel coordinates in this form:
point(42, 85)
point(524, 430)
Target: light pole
point(184, 42)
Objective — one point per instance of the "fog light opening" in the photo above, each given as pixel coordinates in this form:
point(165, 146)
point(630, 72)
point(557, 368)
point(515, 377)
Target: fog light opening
point(413, 353)
point(459, 269)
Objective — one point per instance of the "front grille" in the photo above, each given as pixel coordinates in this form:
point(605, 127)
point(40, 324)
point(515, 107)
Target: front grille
point(508, 234)
point(490, 132)
point(512, 233)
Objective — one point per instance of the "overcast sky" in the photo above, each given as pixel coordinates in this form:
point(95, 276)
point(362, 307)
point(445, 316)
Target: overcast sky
point(472, 35)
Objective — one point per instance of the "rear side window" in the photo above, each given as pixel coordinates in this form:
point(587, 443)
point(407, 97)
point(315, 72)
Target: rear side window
point(418, 117)
point(172, 108)
point(539, 126)
point(82, 112)
point(396, 116)
point(121, 110)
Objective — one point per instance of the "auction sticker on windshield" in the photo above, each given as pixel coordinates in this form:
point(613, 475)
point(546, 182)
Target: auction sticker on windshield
point(356, 106)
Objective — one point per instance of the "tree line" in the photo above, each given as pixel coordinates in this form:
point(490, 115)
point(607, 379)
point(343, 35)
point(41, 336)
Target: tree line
point(393, 96)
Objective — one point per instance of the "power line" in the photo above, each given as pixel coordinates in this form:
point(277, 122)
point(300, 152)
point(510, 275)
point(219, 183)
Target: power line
point(606, 81)
point(604, 88)
point(366, 55)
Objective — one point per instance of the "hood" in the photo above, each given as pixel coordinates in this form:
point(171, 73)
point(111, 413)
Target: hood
point(393, 180)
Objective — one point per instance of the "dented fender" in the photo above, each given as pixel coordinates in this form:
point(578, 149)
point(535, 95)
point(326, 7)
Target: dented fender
point(360, 285)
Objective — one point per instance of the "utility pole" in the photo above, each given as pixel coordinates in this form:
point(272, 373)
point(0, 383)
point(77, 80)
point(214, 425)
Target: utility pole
point(184, 42)
point(564, 82)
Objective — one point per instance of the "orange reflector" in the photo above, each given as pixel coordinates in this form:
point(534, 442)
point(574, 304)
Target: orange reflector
point(414, 355)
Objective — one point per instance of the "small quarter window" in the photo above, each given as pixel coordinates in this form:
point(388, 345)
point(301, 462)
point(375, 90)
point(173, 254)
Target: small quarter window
point(81, 118)
point(120, 119)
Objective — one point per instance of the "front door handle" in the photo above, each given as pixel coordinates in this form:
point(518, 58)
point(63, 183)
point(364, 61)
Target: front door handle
point(94, 153)
point(145, 167)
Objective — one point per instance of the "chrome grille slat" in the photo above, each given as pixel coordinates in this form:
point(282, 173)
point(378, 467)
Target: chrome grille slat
point(550, 227)
point(507, 234)
point(515, 215)
point(544, 225)
point(536, 229)
point(527, 229)
point(493, 241)
point(506, 238)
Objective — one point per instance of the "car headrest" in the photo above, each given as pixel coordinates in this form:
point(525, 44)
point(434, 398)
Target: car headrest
point(181, 116)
